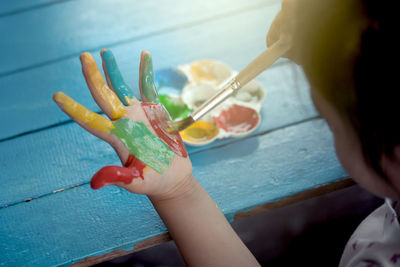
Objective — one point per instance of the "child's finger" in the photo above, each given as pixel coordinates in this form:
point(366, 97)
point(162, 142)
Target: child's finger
point(107, 100)
point(114, 78)
point(89, 120)
point(122, 176)
point(113, 175)
point(146, 79)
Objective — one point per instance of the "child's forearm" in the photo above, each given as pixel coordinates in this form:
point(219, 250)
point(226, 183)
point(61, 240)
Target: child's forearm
point(201, 232)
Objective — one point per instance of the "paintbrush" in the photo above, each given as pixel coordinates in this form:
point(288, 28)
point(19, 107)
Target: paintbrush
point(258, 65)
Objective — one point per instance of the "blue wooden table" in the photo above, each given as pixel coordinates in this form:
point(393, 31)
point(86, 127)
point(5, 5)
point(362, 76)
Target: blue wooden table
point(49, 215)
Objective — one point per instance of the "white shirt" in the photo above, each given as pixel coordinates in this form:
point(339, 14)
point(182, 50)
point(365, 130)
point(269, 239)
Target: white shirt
point(376, 241)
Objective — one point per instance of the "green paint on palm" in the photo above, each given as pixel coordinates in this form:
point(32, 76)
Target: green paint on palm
point(147, 147)
point(175, 106)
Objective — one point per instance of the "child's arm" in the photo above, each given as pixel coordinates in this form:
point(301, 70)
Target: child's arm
point(155, 163)
point(201, 232)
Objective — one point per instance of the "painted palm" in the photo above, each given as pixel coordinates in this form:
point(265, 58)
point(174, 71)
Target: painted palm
point(134, 129)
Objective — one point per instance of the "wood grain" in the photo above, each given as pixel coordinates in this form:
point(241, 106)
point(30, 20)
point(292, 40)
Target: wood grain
point(68, 226)
point(100, 23)
point(150, 242)
point(26, 99)
point(162, 238)
point(9, 8)
point(317, 191)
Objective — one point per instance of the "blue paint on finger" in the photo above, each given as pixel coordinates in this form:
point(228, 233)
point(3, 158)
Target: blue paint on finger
point(120, 87)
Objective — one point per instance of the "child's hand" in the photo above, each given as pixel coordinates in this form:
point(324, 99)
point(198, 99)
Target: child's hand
point(155, 162)
point(282, 28)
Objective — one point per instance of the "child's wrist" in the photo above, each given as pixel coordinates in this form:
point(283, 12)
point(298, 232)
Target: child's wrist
point(179, 192)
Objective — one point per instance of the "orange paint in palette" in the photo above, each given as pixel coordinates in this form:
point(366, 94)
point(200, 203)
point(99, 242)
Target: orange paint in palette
point(202, 70)
point(200, 132)
point(238, 119)
point(209, 70)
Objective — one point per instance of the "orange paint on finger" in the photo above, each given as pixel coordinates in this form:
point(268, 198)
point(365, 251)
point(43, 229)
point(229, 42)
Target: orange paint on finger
point(79, 112)
point(96, 82)
point(200, 131)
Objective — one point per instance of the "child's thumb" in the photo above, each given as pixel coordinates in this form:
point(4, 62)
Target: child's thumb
point(111, 175)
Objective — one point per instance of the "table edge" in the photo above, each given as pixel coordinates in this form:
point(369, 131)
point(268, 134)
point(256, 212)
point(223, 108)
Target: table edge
point(165, 237)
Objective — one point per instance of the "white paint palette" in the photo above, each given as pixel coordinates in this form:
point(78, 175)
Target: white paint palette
point(194, 83)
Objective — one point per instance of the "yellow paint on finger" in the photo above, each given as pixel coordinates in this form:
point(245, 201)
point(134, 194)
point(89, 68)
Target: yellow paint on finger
point(96, 82)
point(117, 108)
point(79, 112)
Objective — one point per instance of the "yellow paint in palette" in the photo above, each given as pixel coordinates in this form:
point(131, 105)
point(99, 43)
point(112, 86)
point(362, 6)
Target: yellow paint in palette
point(200, 132)
point(202, 70)
point(209, 71)
point(79, 112)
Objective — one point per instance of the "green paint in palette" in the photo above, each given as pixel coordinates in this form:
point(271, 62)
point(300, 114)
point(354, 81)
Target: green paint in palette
point(143, 144)
point(175, 106)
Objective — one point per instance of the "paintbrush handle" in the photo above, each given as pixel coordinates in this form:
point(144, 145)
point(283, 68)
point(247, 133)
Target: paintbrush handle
point(259, 64)
point(262, 62)
point(227, 90)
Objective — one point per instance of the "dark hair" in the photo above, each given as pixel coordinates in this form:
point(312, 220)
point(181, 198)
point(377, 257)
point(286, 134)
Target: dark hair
point(348, 51)
point(376, 111)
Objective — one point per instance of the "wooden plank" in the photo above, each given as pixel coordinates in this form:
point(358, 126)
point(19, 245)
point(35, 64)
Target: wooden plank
point(165, 237)
point(69, 226)
point(8, 8)
point(150, 242)
point(64, 156)
point(25, 98)
point(287, 102)
point(56, 159)
point(314, 192)
point(63, 30)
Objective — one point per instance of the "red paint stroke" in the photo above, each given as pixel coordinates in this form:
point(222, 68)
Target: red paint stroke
point(132, 169)
point(237, 119)
point(158, 118)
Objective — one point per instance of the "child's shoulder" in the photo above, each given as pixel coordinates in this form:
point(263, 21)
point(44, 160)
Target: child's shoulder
point(376, 241)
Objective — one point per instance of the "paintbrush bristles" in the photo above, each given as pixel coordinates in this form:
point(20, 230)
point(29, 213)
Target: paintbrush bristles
point(179, 125)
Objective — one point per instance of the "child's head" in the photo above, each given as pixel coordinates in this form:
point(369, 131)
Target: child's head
point(347, 50)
